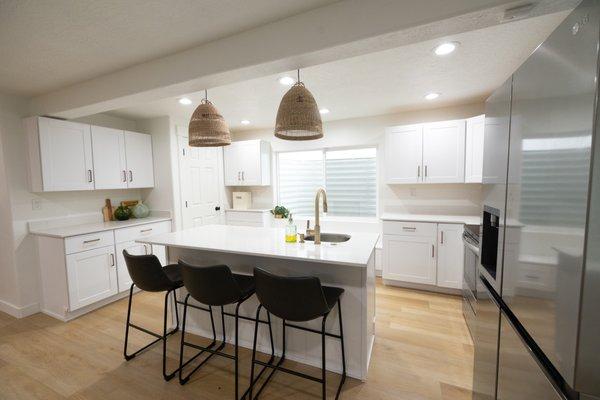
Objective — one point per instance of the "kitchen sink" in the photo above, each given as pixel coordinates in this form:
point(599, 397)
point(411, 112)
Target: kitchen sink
point(330, 237)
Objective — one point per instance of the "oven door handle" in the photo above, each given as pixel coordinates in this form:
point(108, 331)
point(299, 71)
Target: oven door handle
point(470, 246)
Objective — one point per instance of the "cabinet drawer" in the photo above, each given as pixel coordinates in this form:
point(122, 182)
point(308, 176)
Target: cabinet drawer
point(75, 244)
point(139, 231)
point(409, 228)
point(244, 216)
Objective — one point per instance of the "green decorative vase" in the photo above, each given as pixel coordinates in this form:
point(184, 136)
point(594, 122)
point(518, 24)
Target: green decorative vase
point(140, 210)
point(122, 213)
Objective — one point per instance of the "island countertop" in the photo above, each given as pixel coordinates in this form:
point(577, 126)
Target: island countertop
point(269, 242)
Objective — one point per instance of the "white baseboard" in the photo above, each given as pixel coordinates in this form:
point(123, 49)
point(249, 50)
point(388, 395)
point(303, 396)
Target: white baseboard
point(19, 312)
point(420, 286)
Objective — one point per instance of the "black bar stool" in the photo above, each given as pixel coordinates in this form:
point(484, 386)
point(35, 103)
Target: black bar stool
point(216, 286)
point(148, 274)
point(297, 299)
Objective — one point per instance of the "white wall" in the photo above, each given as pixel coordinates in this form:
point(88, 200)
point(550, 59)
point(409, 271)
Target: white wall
point(23, 267)
point(455, 199)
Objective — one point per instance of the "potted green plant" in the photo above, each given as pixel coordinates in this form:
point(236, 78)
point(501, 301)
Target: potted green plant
point(280, 212)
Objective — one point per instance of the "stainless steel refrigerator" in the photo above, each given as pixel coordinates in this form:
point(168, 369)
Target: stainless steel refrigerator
point(543, 282)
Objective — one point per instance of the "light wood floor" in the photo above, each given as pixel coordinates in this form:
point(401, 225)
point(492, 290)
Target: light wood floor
point(422, 351)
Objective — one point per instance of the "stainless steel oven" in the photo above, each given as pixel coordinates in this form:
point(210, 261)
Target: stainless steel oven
point(470, 273)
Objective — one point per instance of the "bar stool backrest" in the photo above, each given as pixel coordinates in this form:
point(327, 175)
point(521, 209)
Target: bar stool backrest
point(147, 273)
point(213, 285)
point(290, 298)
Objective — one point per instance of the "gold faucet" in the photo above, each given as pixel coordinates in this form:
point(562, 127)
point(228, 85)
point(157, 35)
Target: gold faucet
point(317, 231)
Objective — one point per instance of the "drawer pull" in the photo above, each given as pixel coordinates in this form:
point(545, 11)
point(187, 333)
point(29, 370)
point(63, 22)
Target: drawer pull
point(112, 260)
point(146, 230)
point(432, 251)
point(91, 241)
point(409, 228)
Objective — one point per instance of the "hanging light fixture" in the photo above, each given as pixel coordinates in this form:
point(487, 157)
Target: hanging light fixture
point(207, 126)
point(298, 117)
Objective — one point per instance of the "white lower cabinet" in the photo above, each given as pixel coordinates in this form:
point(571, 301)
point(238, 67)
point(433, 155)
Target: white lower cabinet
point(248, 218)
point(451, 256)
point(409, 259)
point(92, 276)
point(423, 253)
point(83, 272)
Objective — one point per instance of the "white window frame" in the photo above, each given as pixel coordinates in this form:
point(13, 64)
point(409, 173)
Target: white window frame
point(323, 150)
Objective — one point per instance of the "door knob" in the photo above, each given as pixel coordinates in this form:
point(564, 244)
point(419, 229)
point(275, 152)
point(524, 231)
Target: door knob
point(217, 208)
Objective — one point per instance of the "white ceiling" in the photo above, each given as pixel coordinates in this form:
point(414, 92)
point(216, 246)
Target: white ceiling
point(379, 83)
point(45, 45)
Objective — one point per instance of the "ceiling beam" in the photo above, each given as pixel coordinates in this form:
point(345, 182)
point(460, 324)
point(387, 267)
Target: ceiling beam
point(340, 30)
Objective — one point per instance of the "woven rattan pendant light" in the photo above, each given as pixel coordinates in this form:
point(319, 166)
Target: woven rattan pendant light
point(208, 127)
point(298, 117)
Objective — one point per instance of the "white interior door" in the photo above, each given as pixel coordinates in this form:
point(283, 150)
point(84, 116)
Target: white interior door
point(200, 184)
point(140, 168)
point(66, 155)
point(404, 154)
point(444, 152)
point(108, 148)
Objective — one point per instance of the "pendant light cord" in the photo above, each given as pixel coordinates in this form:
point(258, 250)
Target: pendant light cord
point(298, 75)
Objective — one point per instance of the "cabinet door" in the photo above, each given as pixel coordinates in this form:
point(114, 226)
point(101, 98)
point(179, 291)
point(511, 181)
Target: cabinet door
point(474, 149)
point(92, 276)
point(451, 256)
point(133, 248)
point(108, 149)
point(232, 164)
point(250, 160)
point(409, 259)
point(444, 152)
point(65, 155)
point(138, 152)
point(404, 154)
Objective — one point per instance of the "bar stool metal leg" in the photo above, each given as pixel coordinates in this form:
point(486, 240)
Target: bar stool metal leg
point(163, 337)
point(337, 395)
point(323, 367)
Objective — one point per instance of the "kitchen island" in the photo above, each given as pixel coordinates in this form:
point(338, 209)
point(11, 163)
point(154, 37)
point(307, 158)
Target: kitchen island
point(349, 265)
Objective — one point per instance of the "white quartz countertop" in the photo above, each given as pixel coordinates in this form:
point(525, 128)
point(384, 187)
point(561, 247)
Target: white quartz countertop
point(82, 229)
point(269, 242)
point(444, 219)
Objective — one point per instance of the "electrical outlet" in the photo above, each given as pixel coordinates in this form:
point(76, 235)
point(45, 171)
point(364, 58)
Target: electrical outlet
point(36, 204)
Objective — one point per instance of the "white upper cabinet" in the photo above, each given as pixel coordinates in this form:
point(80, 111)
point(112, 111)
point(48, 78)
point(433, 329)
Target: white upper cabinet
point(110, 167)
point(404, 154)
point(247, 163)
point(64, 155)
point(60, 155)
point(444, 152)
point(426, 153)
point(474, 149)
point(140, 168)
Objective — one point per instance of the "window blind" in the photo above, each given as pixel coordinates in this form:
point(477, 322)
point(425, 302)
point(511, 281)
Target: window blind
point(349, 176)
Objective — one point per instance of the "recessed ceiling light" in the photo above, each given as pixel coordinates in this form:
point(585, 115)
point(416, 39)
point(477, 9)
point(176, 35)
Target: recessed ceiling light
point(446, 48)
point(324, 110)
point(245, 122)
point(287, 80)
point(185, 101)
point(432, 96)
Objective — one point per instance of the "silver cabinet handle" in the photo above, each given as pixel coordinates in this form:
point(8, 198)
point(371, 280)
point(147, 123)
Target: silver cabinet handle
point(442, 238)
point(91, 241)
point(426, 171)
point(90, 177)
point(130, 176)
point(432, 251)
point(145, 230)
point(243, 176)
point(239, 176)
point(124, 176)
point(112, 260)
point(418, 171)
point(146, 249)
point(409, 228)
point(151, 249)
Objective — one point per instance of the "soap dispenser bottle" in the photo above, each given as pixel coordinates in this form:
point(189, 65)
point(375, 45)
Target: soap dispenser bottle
point(290, 231)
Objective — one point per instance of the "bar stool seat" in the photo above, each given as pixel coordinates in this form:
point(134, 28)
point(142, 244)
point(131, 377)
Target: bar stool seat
point(173, 272)
point(149, 275)
point(297, 299)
